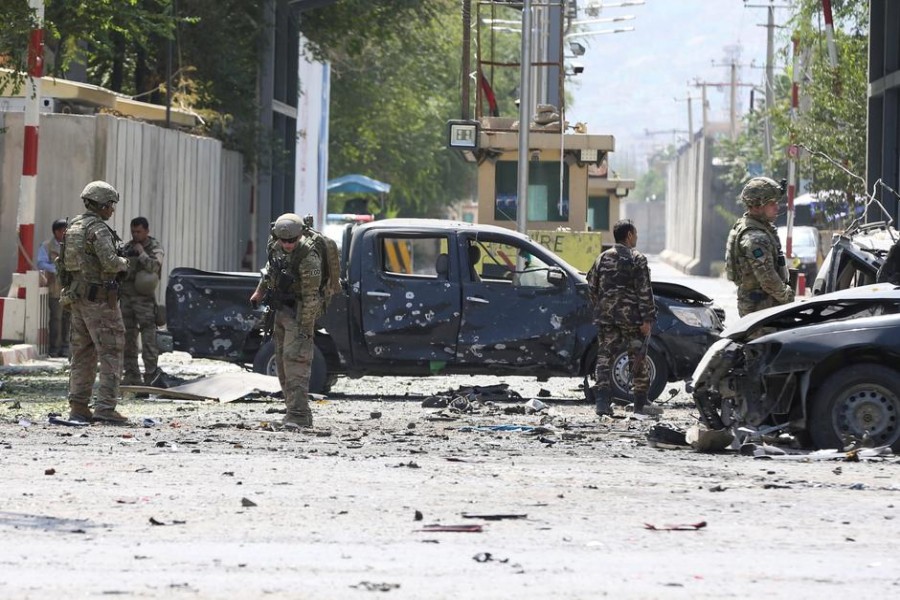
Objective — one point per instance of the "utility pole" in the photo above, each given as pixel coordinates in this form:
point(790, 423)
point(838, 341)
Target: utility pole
point(690, 130)
point(733, 85)
point(524, 120)
point(704, 105)
point(770, 66)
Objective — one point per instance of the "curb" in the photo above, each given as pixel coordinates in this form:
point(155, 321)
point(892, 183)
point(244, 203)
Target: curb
point(18, 354)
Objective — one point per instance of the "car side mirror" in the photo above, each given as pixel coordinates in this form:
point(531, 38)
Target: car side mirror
point(556, 277)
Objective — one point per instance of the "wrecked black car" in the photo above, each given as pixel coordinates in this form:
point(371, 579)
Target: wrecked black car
point(424, 297)
point(826, 370)
point(855, 256)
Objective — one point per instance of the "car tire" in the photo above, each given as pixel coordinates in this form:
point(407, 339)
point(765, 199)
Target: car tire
point(659, 375)
point(319, 380)
point(853, 401)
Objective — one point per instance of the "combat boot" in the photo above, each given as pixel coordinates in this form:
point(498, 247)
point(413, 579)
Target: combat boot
point(79, 412)
point(110, 415)
point(157, 379)
point(643, 407)
point(132, 379)
point(602, 405)
point(292, 421)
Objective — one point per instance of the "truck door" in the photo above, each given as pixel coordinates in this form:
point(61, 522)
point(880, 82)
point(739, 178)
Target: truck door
point(410, 298)
point(514, 313)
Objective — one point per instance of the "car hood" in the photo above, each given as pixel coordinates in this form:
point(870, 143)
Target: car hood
point(679, 291)
point(817, 309)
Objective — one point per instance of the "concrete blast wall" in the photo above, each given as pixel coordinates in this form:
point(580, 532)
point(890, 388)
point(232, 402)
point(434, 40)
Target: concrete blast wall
point(696, 226)
point(191, 190)
point(650, 220)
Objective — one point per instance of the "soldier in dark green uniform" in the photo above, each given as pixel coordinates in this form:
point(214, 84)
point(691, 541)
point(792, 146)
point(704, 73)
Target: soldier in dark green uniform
point(291, 281)
point(138, 299)
point(88, 266)
point(753, 257)
point(624, 311)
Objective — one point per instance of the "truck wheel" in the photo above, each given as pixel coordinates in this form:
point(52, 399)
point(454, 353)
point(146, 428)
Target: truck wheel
point(658, 371)
point(264, 361)
point(319, 380)
point(854, 402)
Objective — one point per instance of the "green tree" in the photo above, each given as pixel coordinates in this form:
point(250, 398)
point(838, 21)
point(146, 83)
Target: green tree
point(395, 81)
point(18, 21)
point(831, 123)
point(392, 92)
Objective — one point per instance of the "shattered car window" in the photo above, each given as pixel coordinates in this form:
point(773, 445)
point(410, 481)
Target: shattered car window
point(412, 256)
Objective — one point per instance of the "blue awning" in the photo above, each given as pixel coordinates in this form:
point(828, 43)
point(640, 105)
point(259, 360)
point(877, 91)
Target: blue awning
point(357, 184)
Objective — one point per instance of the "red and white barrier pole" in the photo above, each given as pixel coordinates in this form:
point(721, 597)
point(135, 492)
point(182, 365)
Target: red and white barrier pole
point(28, 183)
point(793, 152)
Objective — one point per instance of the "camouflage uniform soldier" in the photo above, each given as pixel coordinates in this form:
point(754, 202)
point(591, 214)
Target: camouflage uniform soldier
point(138, 296)
point(624, 312)
point(88, 266)
point(290, 285)
point(753, 257)
point(59, 318)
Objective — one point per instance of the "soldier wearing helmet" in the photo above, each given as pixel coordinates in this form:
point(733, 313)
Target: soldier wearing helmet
point(753, 257)
point(138, 299)
point(290, 286)
point(88, 267)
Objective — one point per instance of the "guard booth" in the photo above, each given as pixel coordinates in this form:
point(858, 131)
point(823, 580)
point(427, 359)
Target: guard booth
point(561, 194)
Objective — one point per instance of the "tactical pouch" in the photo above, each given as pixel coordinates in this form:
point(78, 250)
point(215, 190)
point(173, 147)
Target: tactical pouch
point(66, 298)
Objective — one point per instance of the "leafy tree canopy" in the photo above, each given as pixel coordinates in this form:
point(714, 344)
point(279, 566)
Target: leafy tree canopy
point(830, 125)
point(395, 75)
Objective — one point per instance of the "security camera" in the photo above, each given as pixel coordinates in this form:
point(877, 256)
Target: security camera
point(577, 68)
point(577, 49)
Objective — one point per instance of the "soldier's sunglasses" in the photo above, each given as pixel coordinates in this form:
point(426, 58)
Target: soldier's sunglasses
point(292, 240)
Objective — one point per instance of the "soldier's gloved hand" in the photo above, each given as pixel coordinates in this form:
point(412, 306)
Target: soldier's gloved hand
point(122, 264)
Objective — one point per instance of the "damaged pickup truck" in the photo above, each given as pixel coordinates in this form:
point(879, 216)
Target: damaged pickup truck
point(426, 297)
point(826, 370)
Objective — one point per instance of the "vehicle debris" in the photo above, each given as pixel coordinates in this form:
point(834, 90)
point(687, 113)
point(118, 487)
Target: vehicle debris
point(453, 528)
point(708, 440)
point(495, 516)
point(57, 419)
point(680, 527)
point(824, 367)
point(222, 387)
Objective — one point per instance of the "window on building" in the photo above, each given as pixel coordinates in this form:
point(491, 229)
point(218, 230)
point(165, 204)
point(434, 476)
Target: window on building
point(545, 203)
point(598, 213)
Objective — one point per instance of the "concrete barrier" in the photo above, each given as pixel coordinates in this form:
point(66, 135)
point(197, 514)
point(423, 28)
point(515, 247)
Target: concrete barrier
point(18, 354)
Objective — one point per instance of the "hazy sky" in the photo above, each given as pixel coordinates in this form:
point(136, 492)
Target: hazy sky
point(631, 79)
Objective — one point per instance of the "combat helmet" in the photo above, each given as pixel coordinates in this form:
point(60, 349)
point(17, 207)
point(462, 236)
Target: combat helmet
point(761, 190)
point(288, 226)
point(99, 194)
